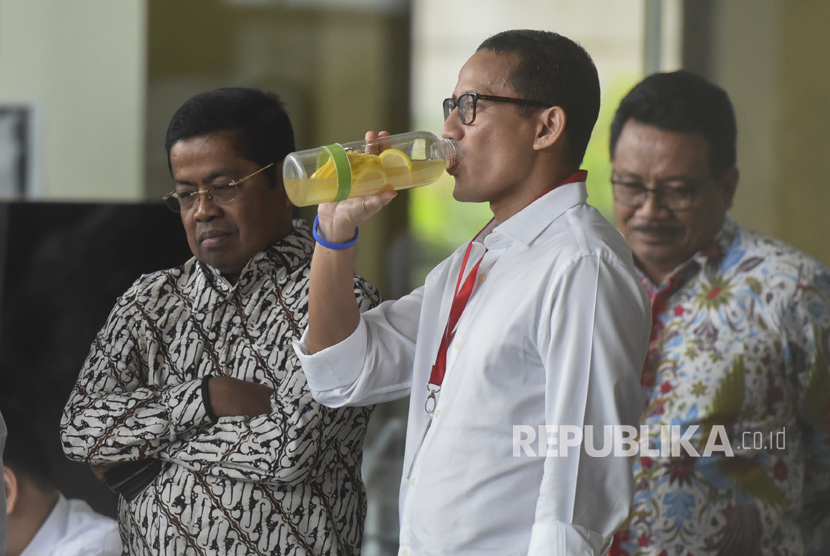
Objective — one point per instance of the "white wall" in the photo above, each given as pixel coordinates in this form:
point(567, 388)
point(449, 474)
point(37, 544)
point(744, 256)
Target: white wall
point(445, 34)
point(771, 56)
point(747, 43)
point(82, 63)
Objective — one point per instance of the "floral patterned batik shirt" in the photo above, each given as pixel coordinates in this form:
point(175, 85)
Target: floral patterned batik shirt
point(734, 438)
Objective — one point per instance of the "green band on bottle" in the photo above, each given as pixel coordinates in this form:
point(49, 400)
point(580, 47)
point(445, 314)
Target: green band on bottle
point(343, 170)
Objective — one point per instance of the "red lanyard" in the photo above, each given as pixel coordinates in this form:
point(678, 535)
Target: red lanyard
point(459, 302)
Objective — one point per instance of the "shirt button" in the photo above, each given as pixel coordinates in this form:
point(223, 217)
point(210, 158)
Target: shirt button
point(412, 481)
point(457, 346)
point(482, 278)
point(437, 413)
point(404, 552)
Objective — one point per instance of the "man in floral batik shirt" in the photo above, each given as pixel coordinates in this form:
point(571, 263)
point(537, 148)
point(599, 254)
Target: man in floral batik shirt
point(737, 358)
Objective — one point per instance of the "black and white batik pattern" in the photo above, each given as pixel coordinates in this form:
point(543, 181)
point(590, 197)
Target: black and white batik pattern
point(286, 483)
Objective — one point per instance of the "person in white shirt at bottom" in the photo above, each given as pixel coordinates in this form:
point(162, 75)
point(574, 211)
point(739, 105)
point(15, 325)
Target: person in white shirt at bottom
point(553, 333)
point(2, 487)
point(41, 520)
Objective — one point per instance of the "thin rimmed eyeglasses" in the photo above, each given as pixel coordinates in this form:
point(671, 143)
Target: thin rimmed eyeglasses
point(219, 194)
point(680, 197)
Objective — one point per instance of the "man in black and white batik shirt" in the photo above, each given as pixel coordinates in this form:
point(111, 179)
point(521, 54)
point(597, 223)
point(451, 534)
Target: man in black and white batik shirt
point(191, 403)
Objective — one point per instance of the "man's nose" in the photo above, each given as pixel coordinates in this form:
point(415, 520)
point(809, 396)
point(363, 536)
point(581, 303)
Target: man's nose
point(452, 128)
point(206, 208)
point(652, 206)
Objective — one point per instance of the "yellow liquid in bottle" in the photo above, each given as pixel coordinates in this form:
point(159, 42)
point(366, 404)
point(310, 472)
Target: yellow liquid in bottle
point(313, 191)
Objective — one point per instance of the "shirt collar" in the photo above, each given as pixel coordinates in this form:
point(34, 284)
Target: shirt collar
point(710, 256)
point(288, 253)
point(526, 225)
point(51, 531)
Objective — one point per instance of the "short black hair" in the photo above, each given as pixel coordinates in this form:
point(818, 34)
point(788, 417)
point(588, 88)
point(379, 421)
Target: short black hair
point(263, 129)
point(24, 452)
point(557, 71)
point(683, 102)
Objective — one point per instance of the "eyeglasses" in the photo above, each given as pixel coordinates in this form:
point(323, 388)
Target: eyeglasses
point(681, 196)
point(219, 194)
point(467, 102)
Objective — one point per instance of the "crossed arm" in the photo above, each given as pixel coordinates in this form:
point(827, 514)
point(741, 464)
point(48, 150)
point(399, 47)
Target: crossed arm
point(140, 396)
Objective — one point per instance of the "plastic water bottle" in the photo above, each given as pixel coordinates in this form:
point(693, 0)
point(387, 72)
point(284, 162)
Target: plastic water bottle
point(336, 172)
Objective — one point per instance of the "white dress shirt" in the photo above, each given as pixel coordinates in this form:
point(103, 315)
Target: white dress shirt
point(75, 529)
point(555, 333)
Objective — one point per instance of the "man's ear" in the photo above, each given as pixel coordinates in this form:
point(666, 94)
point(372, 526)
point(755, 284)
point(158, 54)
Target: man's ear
point(551, 127)
point(12, 489)
point(729, 180)
point(281, 184)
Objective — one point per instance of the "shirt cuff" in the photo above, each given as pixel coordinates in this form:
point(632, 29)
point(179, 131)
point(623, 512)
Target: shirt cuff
point(325, 370)
point(186, 408)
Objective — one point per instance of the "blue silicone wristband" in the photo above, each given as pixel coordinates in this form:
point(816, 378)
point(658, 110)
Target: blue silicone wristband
point(328, 244)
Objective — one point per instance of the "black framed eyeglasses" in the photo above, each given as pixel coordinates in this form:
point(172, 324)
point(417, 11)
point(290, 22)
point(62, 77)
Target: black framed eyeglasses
point(680, 196)
point(467, 102)
point(219, 194)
